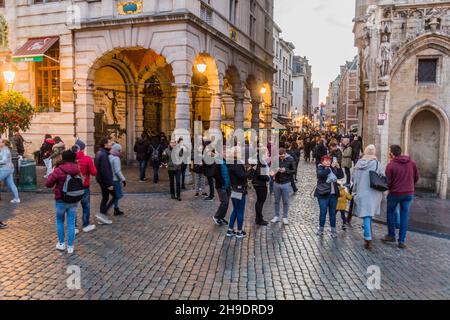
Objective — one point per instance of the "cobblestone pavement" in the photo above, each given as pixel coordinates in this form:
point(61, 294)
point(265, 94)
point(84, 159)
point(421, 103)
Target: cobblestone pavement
point(171, 250)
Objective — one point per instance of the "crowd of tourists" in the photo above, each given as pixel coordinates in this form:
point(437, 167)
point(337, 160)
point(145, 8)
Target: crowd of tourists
point(351, 180)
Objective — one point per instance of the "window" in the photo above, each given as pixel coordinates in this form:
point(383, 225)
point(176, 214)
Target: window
point(44, 1)
point(233, 11)
point(206, 13)
point(252, 31)
point(48, 82)
point(428, 70)
point(2, 3)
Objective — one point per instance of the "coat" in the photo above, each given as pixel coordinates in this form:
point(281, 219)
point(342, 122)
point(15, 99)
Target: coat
point(87, 168)
point(347, 157)
point(141, 148)
point(104, 170)
point(367, 201)
point(344, 198)
point(57, 178)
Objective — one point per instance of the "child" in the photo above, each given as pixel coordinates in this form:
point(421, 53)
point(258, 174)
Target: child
point(118, 177)
point(344, 198)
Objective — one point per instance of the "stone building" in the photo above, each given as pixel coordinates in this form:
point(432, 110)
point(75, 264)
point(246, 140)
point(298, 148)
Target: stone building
point(302, 85)
point(332, 101)
point(404, 47)
point(123, 68)
point(348, 97)
point(282, 79)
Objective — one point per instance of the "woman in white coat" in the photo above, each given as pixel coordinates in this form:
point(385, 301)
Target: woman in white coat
point(367, 201)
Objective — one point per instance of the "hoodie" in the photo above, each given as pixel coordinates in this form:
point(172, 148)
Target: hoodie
point(402, 174)
point(87, 168)
point(57, 178)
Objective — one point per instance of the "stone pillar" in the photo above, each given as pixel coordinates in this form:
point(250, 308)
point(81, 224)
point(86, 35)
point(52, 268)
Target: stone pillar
point(84, 108)
point(256, 104)
point(375, 134)
point(239, 111)
point(216, 109)
point(182, 114)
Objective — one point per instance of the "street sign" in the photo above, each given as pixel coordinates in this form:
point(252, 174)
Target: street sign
point(382, 116)
point(28, 59)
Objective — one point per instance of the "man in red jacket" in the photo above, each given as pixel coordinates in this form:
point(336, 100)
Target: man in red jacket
point(87, 169)
point(403, 175)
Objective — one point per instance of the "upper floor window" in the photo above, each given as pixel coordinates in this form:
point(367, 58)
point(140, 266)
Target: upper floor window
point(427, 72)
point(45, 1)
point(233, 11)
point(2, 3)
point(252, 31)
point(206, 14)
point(48, 81)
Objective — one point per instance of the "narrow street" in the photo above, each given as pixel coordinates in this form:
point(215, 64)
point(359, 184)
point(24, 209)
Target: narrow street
point(171, 250)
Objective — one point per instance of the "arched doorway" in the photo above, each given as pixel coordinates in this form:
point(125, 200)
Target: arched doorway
point(424, 143)
point(152, 102)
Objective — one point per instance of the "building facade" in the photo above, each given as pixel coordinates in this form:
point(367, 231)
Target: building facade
point(302, 86)
point(122, 68)
point(404, 47)
point(332, 102)
point(348, 97)
point(282, 79)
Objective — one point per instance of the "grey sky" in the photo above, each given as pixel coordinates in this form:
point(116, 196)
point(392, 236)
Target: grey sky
point(320, 30)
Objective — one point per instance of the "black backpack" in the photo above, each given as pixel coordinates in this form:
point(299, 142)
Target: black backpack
point(155, 154)
point(73, 189)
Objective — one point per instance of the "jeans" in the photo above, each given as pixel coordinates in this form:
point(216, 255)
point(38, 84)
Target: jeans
point(271, 182)
point(142, 169)
point(175, 183)
point(61, 209)
point(118, 189)
point(328, 206)
point(238, 213)
point(155, 168)
point(367, 223)
point(106, 203)
point(343, 216)
point(405, 203)
point(86, 205)
point(48, 165)
point(183, 175)
point(293, 185)
point(211, 186)
point(224, 197)
point(199, 182)
point(7, 175)
point(261, 197)
point(281, 191)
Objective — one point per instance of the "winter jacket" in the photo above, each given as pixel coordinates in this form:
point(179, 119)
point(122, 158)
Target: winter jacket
point(403, 175)
point(338, 155)
point(347, 157)
point(222, 176)
point(356, 148)
point(151, 149)
point(6, 159)
point(141, 148)
point(322, 177)
point(239, 177)
point(286, 177)
point(367, 201)
point(87, 168)
point(116, 166)
point(46, 148)
point(57, 178)
point(261, 176)
point(104, 169)
point(344, 198)
point(171, 166)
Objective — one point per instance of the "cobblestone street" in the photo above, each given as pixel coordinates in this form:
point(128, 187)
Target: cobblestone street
point(171, 250)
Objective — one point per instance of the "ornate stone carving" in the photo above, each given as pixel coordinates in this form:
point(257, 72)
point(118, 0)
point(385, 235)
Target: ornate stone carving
point(3, 33)
point(384, 60)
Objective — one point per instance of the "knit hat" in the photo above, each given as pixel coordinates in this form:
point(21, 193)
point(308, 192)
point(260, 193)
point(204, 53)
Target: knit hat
point(69, 156)
point(80, 144)
point(116, 149)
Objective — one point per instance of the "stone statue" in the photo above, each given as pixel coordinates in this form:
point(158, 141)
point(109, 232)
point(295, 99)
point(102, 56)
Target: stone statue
point(370, 16)
point(366, 57)
point(385, 57)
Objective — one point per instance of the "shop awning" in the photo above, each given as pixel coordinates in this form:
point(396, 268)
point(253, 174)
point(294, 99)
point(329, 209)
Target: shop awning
point(34, 49)
point(277, 125)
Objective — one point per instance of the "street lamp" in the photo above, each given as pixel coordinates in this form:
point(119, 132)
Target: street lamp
point(263, 90)
point(201, 66)
point(9, 78)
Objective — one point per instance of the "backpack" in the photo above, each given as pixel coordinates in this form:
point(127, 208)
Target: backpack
point(155, 154)
point(73, 189)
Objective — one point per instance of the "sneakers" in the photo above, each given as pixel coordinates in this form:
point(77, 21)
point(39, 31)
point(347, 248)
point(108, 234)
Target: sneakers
point(275, 220)
point(230, 234)
point(344, 227)
point(15, 201)
point(333, 235)
point(70, 250)
point(320, 233)
point(285, 221)
point(262, 223)
point(77, 231)
point(197, 195)
point(103, 219)
point(241, 234)
point(60, 247)
point(209, 199)
point(118, 212)
point(217, 222)
point(3, 226)
point(402, 246)
point(89, 228)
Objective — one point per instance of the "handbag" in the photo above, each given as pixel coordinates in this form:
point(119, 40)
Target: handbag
point(378, 181)
point(323, 189)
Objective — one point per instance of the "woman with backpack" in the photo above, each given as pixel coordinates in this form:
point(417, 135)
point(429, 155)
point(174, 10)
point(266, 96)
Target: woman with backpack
point(118, 177)
point(65, 205)
point(155, 151)
point(367, 201)
point(7, 170)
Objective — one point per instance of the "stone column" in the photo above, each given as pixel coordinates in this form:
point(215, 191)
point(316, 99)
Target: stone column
point(239, 111)
point(84, 108)
point(216, 109)
point(182, 114)
point(256, 104)
point(375, 134)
